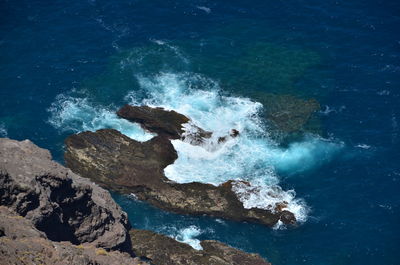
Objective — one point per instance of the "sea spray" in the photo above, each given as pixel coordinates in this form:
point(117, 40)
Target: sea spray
point(252, 156)
point(79, 114)
point(188, 236)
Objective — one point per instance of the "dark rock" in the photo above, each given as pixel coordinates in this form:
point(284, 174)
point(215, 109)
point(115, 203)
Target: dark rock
point(58, 202)
point(162, 250)
point(157, 120)
point(234, 133)
point(196, 136)
point(23, 244)
point(166, 123)
point(117, 162)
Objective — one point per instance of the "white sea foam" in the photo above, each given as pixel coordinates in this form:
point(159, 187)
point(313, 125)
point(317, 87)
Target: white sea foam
point(78, 114)
point(204, 8)
point(252, 157)
point(3, 130)
point(327, 110)
point(267, 197)
point(188, 235)
point(363, 146)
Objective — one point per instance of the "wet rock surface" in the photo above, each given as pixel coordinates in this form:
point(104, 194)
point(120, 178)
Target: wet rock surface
point(166, 123)
point(21, 244)
point(162, 250)
point(156, 120)
point(58, 202)
point(120, 163)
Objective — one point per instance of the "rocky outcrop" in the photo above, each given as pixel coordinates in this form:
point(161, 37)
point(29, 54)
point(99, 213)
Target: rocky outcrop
point(51, 216)
point(157, 120)
point(149, 244)
point(120, 163)
point(166, 123)
point(58, 202)
point(21, 244)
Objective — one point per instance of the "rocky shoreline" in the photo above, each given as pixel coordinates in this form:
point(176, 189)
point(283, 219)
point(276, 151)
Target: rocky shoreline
point(120, 163)
point(50, 215)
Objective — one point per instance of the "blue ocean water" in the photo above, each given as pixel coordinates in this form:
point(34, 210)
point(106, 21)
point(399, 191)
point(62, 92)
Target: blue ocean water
point(67, 66)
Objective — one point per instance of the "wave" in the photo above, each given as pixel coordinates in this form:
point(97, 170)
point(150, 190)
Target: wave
point(72, 114)
point(253, 157)
point(204, 8)
point(188, 236)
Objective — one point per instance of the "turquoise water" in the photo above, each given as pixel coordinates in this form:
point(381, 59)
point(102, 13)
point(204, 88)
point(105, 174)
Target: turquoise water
point(66, 67)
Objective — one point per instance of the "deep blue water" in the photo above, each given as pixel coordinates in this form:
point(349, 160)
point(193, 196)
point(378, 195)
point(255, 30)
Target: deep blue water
point(346, 54)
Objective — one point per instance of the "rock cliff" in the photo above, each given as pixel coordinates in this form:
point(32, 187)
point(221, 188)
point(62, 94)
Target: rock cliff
point(59, 203)
point(21, 244)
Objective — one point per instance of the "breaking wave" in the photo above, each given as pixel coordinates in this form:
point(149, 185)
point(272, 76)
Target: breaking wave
point(188, 236)
point(70, 114)
point(253, 157)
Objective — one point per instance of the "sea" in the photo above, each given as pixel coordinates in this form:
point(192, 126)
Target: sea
point(68, 66)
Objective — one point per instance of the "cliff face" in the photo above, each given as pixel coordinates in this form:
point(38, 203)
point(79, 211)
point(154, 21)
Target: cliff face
point(21, 244)
point(59, 203)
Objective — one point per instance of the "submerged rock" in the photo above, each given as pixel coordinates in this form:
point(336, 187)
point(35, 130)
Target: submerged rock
point(149, 244)
point(287, 113)
point(58, 202)
point(120, 163)
point(21, 243)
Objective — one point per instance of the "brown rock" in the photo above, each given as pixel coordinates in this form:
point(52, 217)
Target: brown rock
point(157, 120)
point(63, 205)
point(117, 162)
point(22, 244)
point(165, 123)
point(162, 250)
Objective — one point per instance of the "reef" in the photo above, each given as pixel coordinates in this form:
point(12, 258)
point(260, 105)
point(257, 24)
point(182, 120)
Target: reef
point(50, 215)
point(287, 113)
point(120, 163)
